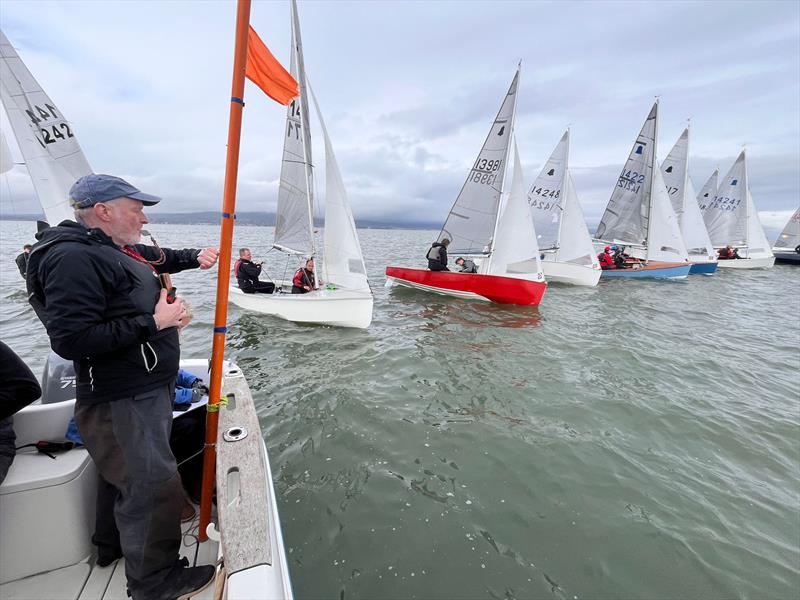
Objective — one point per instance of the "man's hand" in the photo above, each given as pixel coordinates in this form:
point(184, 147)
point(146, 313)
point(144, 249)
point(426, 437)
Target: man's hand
point(208, 257)
point(169, 315)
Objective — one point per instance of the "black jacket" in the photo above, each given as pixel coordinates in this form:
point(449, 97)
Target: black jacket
point(247, 274)
point(437, 257)
point(18, 384)
point(97, 305)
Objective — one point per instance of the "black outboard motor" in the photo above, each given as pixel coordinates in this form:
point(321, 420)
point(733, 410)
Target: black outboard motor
point(58, 380)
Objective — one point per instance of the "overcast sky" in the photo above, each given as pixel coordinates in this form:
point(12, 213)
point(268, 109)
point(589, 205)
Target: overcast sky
point(409, 90)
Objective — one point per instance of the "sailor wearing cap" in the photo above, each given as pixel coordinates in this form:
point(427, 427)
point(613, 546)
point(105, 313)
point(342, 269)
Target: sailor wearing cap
point(97, 291)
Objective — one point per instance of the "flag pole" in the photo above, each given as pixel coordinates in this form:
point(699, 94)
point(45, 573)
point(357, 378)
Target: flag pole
point(224, 272)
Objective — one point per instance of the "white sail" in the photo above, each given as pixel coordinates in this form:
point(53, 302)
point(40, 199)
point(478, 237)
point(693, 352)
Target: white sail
point(546, 197)
point(6, 161)
point(664, 240)
point(344, 261)
point(516, 253)
point(626, 217)
point(675, 171)
point(695, 234)
point(472, 220)
point(707, 193)
point(790, 236)
point(725, 215)
point(757, 244)
point(294, 215)
point(575, 243)
point(47, 142)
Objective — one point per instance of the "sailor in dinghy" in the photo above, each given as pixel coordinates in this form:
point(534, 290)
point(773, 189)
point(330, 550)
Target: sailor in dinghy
point(480, 225)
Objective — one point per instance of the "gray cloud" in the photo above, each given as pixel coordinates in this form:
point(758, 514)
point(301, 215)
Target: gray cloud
point(409, 90)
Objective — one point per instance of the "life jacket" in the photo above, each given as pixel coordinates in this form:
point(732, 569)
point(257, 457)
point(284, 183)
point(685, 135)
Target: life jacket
point(605, 260)
point(236, 267)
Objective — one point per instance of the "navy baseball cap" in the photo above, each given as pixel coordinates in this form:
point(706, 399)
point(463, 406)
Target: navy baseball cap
point(95, 188)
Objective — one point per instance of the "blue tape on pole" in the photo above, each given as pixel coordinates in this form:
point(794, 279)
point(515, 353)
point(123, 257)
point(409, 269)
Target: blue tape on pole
point(220, 329)
point(239, 100)
point(226, 215)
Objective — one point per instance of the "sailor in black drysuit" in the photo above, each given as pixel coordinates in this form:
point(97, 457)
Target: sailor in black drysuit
point(437, 256)
point(247, 272)
point(102, 304)
point(18, 388)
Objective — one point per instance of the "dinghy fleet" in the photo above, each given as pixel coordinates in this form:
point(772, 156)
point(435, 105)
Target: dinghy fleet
point(518, 238)
point(519, 241)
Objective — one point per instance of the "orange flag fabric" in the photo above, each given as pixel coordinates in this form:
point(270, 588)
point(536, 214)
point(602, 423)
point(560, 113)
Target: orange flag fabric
point(266, 72)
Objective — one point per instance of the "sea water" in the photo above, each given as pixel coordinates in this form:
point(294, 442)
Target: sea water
point(640, 439)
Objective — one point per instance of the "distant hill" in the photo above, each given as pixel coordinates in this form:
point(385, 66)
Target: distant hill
point(242, 218)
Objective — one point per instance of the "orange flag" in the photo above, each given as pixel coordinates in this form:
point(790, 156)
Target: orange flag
point(266, 72)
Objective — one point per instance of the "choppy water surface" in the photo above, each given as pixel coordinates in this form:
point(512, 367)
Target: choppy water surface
point(637, 440)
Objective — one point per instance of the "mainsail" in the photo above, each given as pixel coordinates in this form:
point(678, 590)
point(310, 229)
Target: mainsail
point(344, 261)
point(48, 144)
point(516, 252)
point(626, 217)
point(557, 214)
point(6, 162)
point(725, 215)
point(546, 197)
point(472, 220)
point(294, 215)
point(708, 192)
point(790, 236)
point(675, 171)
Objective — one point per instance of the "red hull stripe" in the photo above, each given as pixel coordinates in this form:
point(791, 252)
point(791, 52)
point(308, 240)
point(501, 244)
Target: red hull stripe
point(502, 290)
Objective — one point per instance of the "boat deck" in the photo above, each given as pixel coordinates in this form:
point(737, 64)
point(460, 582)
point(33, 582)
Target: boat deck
point(87, 581)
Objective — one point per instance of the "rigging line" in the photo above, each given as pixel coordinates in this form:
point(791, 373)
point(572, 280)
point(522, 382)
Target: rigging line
point(285, 269)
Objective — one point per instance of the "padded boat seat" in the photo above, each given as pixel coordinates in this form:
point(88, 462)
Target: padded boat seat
point(46, 512)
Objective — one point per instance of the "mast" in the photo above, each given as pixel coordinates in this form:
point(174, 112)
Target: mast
point(564, 184)
point(224, 272)
point(686, 173)
point(511, 134)
point(305, 129)
point(746, 202)
point(653, 167)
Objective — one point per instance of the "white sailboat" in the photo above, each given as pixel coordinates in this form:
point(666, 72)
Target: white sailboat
point(47, 505)
point(345, 298)
point(500, 236)
point(51, 152)
point(732, 220)
point(639, 214)
point(561, 232)
point(787, 246)
point(675, 170)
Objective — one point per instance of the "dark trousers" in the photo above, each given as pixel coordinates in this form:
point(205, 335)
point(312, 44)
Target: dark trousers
point(186, 441)
point(257, 287)
point(128, 439)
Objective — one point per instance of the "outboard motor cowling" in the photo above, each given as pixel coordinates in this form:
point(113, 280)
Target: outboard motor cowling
point(58, 380)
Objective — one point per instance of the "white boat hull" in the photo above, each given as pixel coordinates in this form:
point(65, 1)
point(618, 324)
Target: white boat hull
point(572, 274)
point(54, 500)
point(339, 307)
point(765, 262)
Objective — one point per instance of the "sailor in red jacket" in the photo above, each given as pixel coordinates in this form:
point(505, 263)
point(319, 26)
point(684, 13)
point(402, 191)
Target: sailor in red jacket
point(606, 258)
point(304, 279)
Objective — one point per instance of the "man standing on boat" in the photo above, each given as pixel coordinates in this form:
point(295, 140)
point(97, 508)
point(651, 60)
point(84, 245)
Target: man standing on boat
point(98, 293)
point(437, 255)
point(247, 272)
